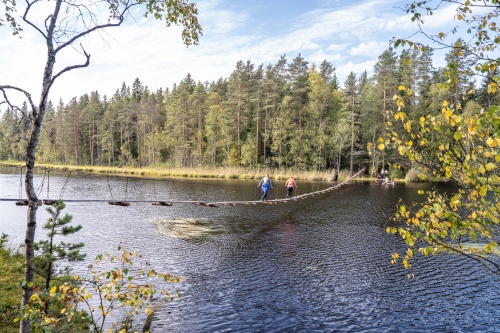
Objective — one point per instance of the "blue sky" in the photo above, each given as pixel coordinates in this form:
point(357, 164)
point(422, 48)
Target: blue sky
point(350, 34)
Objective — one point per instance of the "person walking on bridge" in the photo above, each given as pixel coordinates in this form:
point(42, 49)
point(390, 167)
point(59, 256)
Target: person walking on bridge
point(290, 184)
point(265, 183)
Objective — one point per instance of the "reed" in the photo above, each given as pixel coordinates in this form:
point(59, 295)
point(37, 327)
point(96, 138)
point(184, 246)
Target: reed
point(200, 172)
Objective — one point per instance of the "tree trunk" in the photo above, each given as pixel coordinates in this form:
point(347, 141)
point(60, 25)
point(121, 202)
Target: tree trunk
point(238, 122)
point(352, 132)
point(383, 125)
point(257, 138)
point(36, 122)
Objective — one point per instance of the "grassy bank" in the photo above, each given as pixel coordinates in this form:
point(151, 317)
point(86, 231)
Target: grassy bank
point(11, 268)
point(205, 172)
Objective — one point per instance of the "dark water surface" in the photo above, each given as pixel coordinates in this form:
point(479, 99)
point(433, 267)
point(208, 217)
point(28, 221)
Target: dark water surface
point(316, 265)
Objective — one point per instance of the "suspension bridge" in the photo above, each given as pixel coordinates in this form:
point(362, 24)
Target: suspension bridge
point(159, 202)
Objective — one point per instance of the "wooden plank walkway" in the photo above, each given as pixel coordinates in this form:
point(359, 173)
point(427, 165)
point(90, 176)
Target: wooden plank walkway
point(24, 202)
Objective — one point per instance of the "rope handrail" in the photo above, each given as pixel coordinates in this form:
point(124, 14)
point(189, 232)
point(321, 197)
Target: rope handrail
point(157, 202)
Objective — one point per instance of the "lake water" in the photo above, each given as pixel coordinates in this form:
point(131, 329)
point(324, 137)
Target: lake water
point(321, 264)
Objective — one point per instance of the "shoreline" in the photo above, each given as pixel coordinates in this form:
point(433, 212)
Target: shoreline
point(204, 172)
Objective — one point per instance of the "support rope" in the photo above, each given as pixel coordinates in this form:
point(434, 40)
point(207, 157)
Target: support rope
point(109, 186)
point(21, 184)
point(40, 187)
point(64, 186)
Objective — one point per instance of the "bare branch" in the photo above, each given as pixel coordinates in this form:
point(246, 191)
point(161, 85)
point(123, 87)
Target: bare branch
point(28, 95)
point(121, 19)
point(69, 68)
point(28, 7)
point(48, 17)
point(479, 258)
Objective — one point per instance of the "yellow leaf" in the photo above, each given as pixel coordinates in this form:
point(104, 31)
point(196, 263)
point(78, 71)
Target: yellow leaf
point(62, 311)
point(445, 103)
point(381, 146)
point(53, 290)
point(483, 191)
point(489, 141)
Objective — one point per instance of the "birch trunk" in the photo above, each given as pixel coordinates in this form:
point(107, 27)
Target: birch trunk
point(36, 122)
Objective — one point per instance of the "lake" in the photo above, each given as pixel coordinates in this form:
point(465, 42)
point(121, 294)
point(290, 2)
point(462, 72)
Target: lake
point(321, 264)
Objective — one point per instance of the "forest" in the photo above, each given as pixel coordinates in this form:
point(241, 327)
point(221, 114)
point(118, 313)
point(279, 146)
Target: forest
point(290, 114)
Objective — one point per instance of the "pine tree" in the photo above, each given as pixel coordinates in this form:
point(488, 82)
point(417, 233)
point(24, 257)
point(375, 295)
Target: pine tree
point(137, 90)
point(459, 72)
point(326, 70)
point(385, 74)
point(298, 86)
point(50, 252)
point(351, 93)
point(335, 82)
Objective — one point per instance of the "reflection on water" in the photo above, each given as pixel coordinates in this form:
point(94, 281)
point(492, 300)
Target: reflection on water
point(186, 228)
point(319, 264)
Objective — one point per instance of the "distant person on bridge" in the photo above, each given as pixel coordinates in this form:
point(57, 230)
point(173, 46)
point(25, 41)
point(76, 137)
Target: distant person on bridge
point(290, 184)
point(265, 183)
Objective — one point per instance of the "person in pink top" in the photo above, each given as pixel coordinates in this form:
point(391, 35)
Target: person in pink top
point(290, 184)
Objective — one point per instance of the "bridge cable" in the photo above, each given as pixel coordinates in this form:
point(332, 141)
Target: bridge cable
point(109, 186)
point(64, 186)
point(126, 190)
point(171, 189)
point(21, 184)
point(40, 187)
point(154, 188)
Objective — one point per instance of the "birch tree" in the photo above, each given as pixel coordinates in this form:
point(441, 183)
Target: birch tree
point(65, 25)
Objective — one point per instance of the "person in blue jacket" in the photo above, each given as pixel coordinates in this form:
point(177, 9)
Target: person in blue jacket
point(265, 183)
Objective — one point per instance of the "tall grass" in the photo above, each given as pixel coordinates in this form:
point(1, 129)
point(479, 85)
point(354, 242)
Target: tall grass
point(11, 268)
point(201, 172)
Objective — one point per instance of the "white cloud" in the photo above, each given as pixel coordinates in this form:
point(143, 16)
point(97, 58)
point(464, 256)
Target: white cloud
point(337, 47)
point(369, 49)
point(357, 68)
